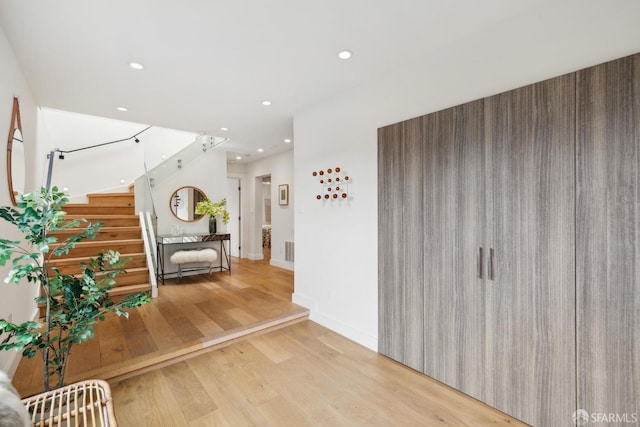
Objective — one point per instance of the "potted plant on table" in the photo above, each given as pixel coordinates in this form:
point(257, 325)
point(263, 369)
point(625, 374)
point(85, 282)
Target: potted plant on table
point(72, 304)
point(213, 210)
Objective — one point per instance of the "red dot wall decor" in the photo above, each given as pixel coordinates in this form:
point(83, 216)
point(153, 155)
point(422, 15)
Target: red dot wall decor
point(333, 184)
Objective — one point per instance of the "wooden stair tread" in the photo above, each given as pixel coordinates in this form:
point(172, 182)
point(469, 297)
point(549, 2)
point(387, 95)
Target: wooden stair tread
point(86, 258)
point(102, 242)
point(127, 194)
point(129, 289)
point(137, 270)
point(103, 229)
point(120, 232)
point(101, 216)
point(91, 205)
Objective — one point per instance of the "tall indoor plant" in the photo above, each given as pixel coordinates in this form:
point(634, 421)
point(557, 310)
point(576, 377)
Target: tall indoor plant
point(213, 210)
point(72, 304)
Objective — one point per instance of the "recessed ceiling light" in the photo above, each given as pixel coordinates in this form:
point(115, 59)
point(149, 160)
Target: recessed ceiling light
point(224, 129)
point(238, 157)
point(136, 65)
point(266, 103)
point(345, 54)
point(260, 150)
point(121, 109)
point(288, 141)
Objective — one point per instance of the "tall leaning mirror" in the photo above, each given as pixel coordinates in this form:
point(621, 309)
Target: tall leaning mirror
point(15, 154)
point(183, 203)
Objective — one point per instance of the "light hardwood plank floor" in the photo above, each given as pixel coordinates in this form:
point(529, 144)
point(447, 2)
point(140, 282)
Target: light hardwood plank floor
point(190, 315)
point(301, 375)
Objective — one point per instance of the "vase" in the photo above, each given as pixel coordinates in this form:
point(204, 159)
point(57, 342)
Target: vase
point(213, 225)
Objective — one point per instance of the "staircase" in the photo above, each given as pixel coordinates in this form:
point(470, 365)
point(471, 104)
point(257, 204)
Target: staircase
point(120, 232)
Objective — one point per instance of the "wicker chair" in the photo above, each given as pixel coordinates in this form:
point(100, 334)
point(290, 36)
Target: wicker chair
point(86, 403)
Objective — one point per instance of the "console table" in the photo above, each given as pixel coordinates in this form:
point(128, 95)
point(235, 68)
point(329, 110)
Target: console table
point(194, 241)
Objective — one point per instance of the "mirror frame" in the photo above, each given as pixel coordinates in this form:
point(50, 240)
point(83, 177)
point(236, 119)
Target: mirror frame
point(16, 123)
point(171, 206)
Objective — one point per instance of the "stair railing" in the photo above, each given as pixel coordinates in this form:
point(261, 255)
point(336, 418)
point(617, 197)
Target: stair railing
point(149, 249)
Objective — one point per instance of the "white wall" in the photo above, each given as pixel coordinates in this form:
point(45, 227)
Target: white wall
point(208, 172)
point(16, 301)
point(336, 246)
point(111, 167)
point(280, 167)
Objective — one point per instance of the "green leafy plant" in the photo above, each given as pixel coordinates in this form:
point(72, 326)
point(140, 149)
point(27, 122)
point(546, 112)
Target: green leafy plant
point(72, 304)
point(213, 209)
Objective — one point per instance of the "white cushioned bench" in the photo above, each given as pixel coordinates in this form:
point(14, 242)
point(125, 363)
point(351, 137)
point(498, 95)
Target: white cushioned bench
point(207, 255)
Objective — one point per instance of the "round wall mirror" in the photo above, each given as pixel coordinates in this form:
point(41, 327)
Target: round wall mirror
point(15, 154)
point(183, 203)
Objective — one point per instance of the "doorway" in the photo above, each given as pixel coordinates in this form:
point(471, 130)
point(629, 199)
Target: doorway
point(233, 206)
point(265, 197)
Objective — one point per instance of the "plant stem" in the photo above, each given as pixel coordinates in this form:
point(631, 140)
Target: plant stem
point(63, 366)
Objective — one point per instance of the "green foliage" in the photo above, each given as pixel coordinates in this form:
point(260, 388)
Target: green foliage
point(73, 303)
point(213, 209)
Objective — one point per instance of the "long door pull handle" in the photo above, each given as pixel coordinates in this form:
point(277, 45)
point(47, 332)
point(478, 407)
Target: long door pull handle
point(491, 267)
point(480, 263)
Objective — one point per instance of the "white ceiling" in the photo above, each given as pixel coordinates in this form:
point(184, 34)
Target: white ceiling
point(210, 63)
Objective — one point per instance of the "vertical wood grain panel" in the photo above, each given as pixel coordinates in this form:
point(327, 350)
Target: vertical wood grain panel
point(439, 243)
point(455, 226)
point(400, 242)
point(470, 223)
point(413, 240)
point(531, 301)
point(390, 284)
point(608, 237)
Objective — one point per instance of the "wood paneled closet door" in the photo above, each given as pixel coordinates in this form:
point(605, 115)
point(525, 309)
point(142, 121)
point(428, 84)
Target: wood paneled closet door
point(400, 242)
point(454, 224)
point(531, 291)
point(608, 237)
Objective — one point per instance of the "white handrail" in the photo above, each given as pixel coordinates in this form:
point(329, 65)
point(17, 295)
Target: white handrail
point(152, 237)
point(146, 230)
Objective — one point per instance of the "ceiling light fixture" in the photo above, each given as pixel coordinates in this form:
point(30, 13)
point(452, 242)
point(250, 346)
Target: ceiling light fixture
point(121, 108)
point(238, 157)
point(224, 129)
point(260, 150)
point(136, 65)
point(266, 103)
point(287, 141)
point(345, 54)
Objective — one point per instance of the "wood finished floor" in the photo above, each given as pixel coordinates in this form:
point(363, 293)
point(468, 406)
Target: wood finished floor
point(189, 315)
point(301, 375)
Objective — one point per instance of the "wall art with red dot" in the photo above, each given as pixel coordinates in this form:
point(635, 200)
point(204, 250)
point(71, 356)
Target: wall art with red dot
point(333, 184)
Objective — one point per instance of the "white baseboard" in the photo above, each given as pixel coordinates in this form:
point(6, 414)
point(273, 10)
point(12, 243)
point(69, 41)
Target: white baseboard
point(303, 300)
point(354, 334)
point(255, 256)
point(282, 264)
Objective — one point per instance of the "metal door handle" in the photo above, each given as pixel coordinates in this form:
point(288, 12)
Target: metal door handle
point(480, 262)
point(491, 267)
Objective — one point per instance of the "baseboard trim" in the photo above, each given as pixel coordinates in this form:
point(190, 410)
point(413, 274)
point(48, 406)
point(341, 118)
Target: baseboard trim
point(287, 265)
point(255, 256)
point(354, 334)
